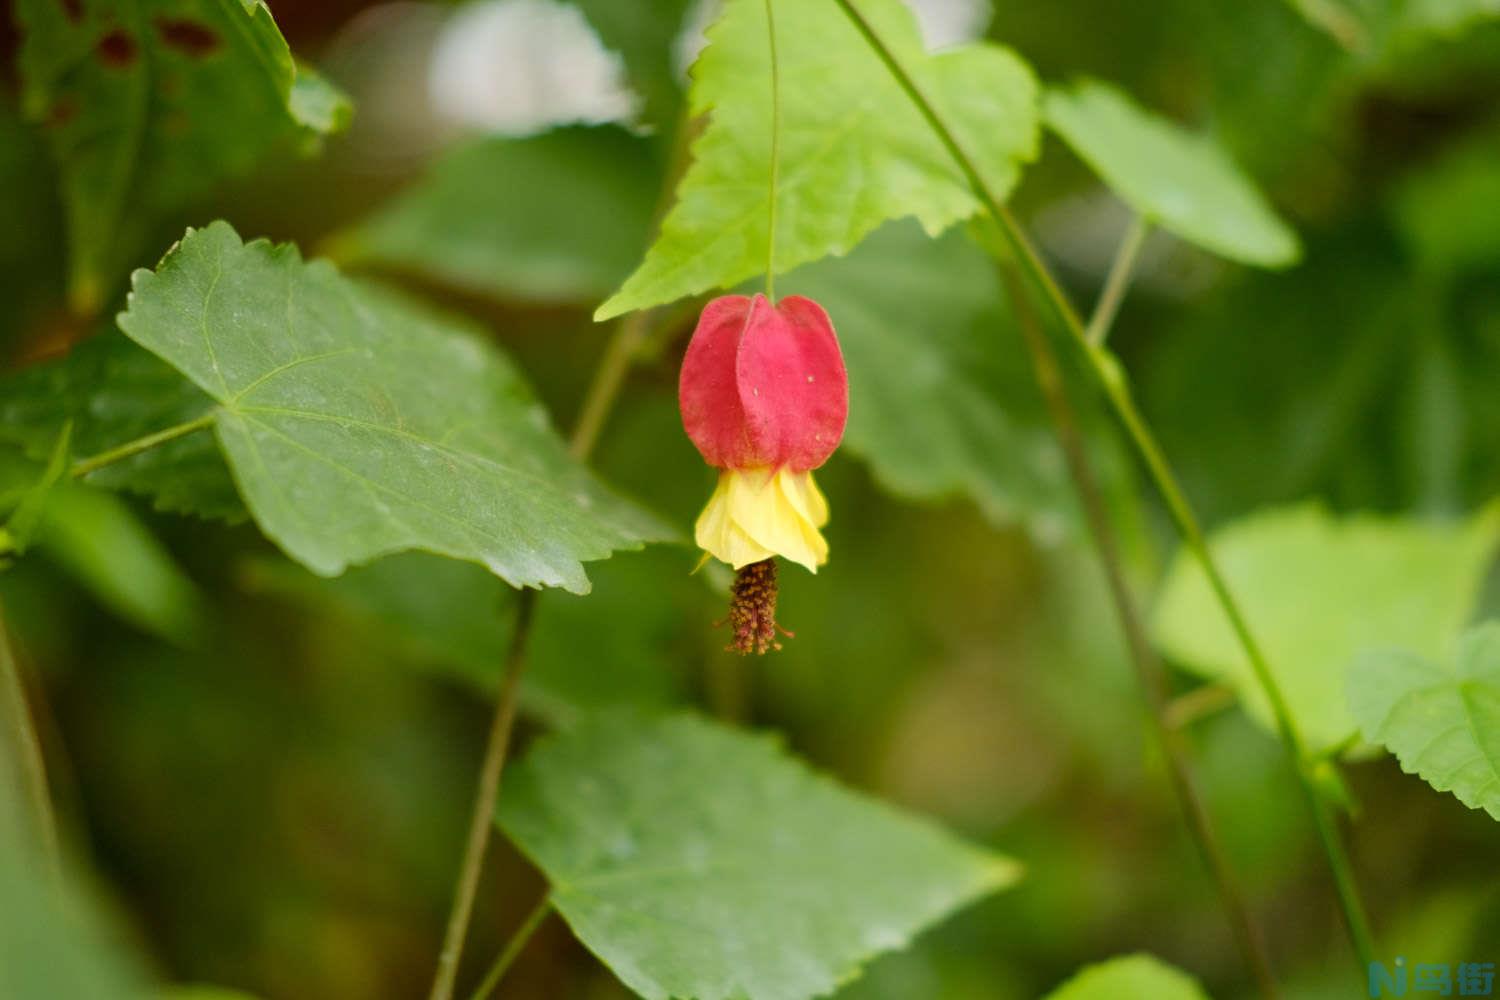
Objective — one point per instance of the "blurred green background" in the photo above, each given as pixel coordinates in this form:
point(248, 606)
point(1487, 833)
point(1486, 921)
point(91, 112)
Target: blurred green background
point(269, 775)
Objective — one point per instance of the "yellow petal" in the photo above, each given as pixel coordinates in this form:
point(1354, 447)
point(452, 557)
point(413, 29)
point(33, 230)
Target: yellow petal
point(755, 514)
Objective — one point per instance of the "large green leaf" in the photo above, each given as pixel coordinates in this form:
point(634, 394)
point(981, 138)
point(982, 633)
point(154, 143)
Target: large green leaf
point(114, 392)
point(1180, 181)
point(558, 217)
point(1318, 591)
point(1132, 977)
point(950, 404)
point(854, 152)
point(1442, 722)
point(699, 862)
point(358, 424)
point(149, 103)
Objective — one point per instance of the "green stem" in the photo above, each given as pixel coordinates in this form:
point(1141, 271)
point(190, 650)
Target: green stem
point(1118, 281)
point(512, 949)
point(1148, 668)
point(28, 751)
point(629, 334)
point(486, 795)
point(775, 154)
point(94, 463)
point(1109, 373)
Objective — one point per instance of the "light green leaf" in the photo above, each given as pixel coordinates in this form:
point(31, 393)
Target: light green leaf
point(149, 104)
point(114, 392)
point(1178, 180)
point(358, 424)
point(1132, 977)
point(202, 993)
point(700, 862)
point(1442, 722)
point(1317, 591)
point(953, 407)
point(855, 152)
point(556, 218)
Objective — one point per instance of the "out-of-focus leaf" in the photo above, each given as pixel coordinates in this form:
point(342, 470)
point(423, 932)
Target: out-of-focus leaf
point(1382, 29)
point(98, 541)
point(1180, 181)
point(1442, 722)
point(700, 862)
point(645, 34)
point(945, 402)
point(115, 392)
point(1133, 977)
point(358, 424)
point(611, 649)
point(50, 944)
point(1317, 591)
point(202, 993)
point(855, 152)
point(31, 257)
point(149, 104)
point(559, 217)
point(1441, 208)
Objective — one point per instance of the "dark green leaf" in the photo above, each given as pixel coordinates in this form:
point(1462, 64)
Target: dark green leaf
point(1442, 722)
point(854, 152)
point(115, 392)
point(1178, 180)
point(358, 424)
point(700, 862)
point(149, 103)
point(560, 217)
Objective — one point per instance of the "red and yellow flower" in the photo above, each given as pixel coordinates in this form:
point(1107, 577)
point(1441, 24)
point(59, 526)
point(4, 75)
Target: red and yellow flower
point(764, 397)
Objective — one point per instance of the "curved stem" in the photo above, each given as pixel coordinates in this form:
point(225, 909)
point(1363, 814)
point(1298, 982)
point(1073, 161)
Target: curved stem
point(512, 949)
point(28, 751)
point(488, 793)
point(84, 466)
point(1118, 281)
point(1112, 377)
point(1148, 668)
point(775, 155)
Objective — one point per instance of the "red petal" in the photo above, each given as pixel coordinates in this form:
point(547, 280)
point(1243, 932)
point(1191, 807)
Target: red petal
point(764, 386)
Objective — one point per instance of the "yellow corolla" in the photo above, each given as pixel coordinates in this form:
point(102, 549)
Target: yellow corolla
point(755, 514)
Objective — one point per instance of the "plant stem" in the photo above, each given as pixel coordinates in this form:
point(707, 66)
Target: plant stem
point(1143, 657)
point(28, 751)
point(94, 463)
point(487, 794)
point(1118, 280)
point(512, 949)
point(775, 155)
point(1112, 377)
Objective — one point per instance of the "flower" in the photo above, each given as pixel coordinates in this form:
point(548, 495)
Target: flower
point(764, 397)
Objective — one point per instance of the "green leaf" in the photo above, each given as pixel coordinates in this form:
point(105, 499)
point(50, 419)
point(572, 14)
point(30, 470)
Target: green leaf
point(954, 409)
point(114, 392)
point(149, 104)
point(358, 424)
point(1442, 722)
point(1129, 977)
point(1435, 208)
point(35, 496)
point(51, 944)
point(1178, 180)
point(700, 862)
point(556, 218)
point(854, 153)
point(645, 35)
point(98, 540)
point(1317, 591)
